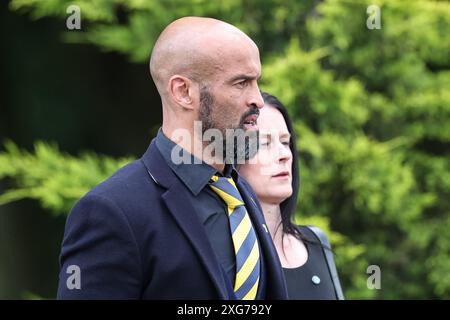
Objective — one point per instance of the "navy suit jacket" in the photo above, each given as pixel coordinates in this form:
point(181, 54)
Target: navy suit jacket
point(137, 236)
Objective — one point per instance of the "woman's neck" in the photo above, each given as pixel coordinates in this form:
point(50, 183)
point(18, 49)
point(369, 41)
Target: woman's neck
point(272, 215)
point(292, 252)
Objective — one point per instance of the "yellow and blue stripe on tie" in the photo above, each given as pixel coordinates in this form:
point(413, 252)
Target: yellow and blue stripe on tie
point(244, 237)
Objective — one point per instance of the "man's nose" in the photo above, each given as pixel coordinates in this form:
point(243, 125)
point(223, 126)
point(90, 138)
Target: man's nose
point(256, 99)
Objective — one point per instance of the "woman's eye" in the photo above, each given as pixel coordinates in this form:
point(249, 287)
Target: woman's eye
point(286, 143)
point(264, 143)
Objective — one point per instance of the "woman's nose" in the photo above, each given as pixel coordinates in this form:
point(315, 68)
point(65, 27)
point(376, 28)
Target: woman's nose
point(284, 152)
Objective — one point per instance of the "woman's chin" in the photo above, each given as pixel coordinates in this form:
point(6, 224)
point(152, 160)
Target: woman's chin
point(280, 195)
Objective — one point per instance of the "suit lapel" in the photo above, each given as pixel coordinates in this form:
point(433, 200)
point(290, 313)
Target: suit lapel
point(182, 209)
point(178, 200)
point(256, 215)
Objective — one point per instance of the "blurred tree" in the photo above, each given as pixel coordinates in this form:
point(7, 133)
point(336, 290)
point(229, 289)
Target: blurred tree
point(371, 108)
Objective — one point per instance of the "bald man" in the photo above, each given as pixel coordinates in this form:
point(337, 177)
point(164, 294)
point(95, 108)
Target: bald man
point(161, 227)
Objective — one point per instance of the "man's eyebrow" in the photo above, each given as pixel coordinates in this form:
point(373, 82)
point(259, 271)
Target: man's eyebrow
point(245, 77)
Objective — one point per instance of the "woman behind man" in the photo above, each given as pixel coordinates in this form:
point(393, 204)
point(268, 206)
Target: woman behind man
point(304, 252)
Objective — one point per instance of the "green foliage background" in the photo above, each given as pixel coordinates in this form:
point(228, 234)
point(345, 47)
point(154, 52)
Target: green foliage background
point(371, 109)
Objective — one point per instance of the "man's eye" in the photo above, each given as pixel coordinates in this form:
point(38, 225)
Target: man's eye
point(242, 84)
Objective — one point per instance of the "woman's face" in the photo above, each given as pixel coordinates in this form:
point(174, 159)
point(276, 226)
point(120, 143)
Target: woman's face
point(270, 172)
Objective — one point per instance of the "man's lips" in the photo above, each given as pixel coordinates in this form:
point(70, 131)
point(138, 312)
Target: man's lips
point(250, 121)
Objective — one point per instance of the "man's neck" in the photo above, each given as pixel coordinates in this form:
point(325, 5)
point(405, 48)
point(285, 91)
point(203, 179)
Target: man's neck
point(195, 146)
point(218, 164)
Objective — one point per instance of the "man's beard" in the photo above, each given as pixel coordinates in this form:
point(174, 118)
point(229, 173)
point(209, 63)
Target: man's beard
point(232, 139)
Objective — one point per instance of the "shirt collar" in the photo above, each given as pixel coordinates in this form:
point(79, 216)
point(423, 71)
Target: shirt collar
point(195, 174)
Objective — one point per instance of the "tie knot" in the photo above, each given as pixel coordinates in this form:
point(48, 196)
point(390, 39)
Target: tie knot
point(227, 191)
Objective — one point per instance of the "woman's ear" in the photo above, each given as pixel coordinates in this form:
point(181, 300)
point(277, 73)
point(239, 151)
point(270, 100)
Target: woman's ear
point(182, 91)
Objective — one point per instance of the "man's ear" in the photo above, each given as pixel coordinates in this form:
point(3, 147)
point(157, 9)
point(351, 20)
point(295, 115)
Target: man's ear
point(182, 91)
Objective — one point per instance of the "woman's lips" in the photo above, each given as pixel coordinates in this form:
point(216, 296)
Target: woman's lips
point(283, 174)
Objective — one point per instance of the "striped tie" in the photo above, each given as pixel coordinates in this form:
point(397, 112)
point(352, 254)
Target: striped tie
point(244, 239)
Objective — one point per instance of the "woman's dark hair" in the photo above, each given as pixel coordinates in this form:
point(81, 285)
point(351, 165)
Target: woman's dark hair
point(287, 207)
